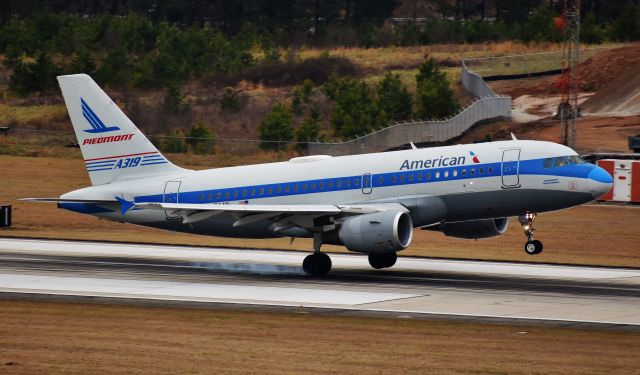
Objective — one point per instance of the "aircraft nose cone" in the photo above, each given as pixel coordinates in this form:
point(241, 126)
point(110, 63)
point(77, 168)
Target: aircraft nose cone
point(600, 182)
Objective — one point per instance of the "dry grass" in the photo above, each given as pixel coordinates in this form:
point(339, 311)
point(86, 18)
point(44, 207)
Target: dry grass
point(573, 236)
point(46, 337)
point(26, 113)
point(383, 58)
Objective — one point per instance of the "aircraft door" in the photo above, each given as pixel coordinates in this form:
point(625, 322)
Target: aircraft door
point(366, 183)
point(510, 168)
point(171, 190)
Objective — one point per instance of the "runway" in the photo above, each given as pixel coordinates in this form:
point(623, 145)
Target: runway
point(474, 290)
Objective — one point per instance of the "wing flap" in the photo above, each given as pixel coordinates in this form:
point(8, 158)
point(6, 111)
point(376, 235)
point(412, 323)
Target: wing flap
point(243, 208)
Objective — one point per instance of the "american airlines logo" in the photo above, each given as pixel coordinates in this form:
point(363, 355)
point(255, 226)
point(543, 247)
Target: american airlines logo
point(433, 163)
point(475, 157)
point(97, 126)
point(442, 161)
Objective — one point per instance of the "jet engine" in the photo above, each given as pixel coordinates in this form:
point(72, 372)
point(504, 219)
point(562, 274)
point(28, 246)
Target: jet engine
point(380, 232)
point(476, 229)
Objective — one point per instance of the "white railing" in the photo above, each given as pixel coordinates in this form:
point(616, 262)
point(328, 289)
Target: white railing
point(488, 106)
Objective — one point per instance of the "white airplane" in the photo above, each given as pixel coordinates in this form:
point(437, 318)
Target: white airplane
point(369, 203)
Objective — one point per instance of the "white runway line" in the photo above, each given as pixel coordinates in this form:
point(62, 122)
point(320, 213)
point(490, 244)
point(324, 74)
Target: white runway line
point(169, 290)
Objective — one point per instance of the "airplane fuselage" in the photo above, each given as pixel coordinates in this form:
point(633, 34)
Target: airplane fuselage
point(478, 181)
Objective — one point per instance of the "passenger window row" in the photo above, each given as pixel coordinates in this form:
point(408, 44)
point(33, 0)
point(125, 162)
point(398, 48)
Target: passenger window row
point(281, 188)
point(339, 183)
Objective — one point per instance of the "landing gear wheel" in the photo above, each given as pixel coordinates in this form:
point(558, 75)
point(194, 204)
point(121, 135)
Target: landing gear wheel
point(533, 247)
point(379, 261)
point(317, 264)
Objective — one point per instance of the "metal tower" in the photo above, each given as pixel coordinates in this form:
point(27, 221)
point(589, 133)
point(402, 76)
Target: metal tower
point(568, 110)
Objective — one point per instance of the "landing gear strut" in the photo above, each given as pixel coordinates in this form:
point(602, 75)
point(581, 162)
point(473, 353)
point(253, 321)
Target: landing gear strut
point(379, 261)
point(318, 263)
point(532, 247)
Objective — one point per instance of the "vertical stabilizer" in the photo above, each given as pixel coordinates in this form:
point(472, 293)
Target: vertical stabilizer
point(113, 148)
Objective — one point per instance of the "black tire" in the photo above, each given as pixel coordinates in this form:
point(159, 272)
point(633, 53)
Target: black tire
point(538, 246)
point(316, 264)
point(380, 261)
point(533, 247)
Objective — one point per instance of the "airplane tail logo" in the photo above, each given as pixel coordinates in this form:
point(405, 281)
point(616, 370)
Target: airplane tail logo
point(475, 158)
point(97, 126)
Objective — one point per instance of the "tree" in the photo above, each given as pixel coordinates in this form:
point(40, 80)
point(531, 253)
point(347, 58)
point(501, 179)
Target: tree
point(590, 31)
point(200, 139)
point(302, 94)
point(174, 142)
point(82, 62)
point(33, 76)
point(627, 26)
point(115, 68)
point(276, 129)
point(230, 102)
point(539, 27)
point(355, 112)
point(394, 98)
point(174, 101)
point(309, 129)
point(434, 97)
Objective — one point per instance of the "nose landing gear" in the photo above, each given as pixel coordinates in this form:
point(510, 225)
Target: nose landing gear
point(532, 247)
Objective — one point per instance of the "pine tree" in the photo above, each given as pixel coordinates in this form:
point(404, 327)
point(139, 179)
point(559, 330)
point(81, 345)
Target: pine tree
point(393, 98)
point(355, 112)
point(200, 139)
point(309, 129)
point(276, 129)
point(434, 97)
point(174, 101)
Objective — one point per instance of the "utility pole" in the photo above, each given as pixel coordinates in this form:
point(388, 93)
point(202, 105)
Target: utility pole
point(568, 82)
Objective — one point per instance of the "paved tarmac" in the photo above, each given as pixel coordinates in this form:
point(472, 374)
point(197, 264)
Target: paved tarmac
point(414, 287)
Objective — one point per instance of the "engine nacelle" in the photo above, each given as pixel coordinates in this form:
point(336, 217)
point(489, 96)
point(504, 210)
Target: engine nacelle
point(476, 229)
point(380, 232)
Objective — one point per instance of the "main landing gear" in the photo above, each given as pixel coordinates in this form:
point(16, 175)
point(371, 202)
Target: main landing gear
point(318, 263)
point(532, 247)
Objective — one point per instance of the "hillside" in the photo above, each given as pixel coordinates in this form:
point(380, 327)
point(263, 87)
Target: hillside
point(610, 100)
point(257, 91)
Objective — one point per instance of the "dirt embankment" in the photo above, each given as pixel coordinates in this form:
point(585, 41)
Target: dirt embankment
point(620, 97)
point(594, 74)
point(612, 113)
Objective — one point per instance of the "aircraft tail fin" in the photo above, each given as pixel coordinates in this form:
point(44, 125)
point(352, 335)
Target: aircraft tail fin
point(113, 148)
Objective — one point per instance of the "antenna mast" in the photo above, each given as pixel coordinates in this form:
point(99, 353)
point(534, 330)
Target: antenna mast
point(568, 110)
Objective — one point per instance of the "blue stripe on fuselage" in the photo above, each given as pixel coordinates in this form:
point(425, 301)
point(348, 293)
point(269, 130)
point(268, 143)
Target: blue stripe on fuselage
point(380, 180)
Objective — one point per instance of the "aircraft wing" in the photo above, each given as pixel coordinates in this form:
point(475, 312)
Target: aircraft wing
point(247, 212)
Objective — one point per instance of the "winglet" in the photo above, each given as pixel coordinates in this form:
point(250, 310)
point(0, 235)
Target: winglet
point(125, 205)
point(513, 137)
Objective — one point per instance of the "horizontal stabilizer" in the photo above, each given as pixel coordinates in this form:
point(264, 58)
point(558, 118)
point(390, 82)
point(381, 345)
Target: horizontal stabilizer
point(63, 200)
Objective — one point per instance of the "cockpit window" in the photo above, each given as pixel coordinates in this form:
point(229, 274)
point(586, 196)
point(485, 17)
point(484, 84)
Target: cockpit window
point(548, 163)
point(575, 159)
point(561, 162)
